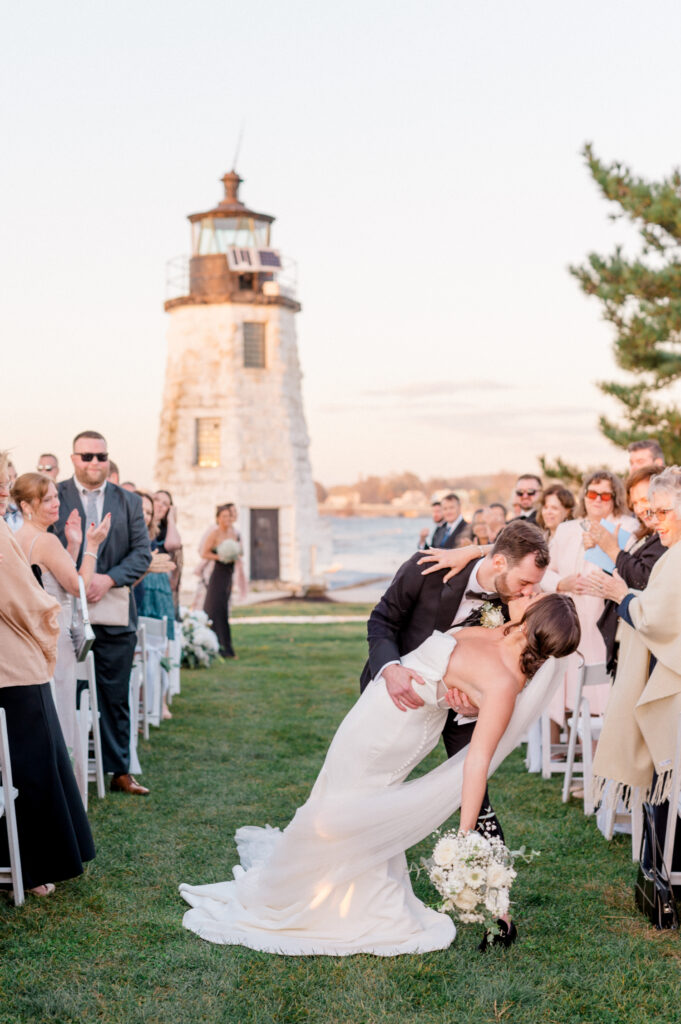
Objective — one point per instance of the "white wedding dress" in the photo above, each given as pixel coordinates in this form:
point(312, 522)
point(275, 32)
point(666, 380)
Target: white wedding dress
point(335, 881)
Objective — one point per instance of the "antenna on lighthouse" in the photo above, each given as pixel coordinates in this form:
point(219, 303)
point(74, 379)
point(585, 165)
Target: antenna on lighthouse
point(238, 146)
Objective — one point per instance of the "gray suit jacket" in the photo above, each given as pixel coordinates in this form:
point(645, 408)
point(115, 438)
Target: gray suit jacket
point(125, 555)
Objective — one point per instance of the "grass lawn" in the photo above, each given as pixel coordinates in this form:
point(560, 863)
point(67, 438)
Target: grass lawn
point(246, 742)
point(293, 606)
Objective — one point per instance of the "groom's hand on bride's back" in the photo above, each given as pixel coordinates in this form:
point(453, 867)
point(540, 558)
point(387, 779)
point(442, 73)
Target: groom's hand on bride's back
point(398, 680)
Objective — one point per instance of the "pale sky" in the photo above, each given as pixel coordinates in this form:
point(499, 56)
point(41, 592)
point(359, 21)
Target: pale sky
point(423, 163)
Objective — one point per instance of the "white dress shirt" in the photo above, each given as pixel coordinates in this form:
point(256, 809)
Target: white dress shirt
point(84, 494)
point(468, 604)
point(450, 528)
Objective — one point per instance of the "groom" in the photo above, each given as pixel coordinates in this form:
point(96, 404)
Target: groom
point(415, 605)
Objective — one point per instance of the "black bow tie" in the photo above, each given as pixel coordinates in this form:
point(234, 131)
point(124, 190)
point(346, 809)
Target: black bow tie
point(477, 596)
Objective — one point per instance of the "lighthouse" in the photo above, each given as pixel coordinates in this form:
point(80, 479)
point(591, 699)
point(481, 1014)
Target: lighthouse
point(232, 423)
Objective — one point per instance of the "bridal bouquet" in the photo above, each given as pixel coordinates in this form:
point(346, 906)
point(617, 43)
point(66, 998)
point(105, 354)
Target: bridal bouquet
point(200, 645)
point(228, 551)
point(473, 874)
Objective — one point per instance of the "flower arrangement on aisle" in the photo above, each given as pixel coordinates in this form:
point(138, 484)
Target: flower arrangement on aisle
point(229, 550)
point(474, 875)
point(200, 646)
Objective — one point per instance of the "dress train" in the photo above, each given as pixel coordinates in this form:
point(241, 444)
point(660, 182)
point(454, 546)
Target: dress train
point(335, 881)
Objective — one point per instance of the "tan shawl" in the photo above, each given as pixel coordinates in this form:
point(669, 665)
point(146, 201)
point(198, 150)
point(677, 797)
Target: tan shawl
point(29, 626)
point(641, 721)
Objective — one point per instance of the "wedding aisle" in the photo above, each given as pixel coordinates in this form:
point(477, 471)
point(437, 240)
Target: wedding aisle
point(245, 743)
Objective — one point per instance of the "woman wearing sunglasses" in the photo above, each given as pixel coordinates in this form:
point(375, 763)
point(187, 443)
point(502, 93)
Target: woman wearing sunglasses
point(636, 749)
point(635, 561)
point(573, 559)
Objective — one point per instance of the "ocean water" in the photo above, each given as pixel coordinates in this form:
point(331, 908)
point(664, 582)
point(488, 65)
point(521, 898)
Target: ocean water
point(371, 548)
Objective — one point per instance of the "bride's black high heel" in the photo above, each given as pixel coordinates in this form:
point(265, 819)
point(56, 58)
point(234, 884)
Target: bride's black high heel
point(507, 935)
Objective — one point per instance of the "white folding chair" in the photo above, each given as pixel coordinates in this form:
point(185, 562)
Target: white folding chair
point(154, 644)
point(613, 817)
point(674, 810)
point(83, 719)
point(175, 658)
point(92, 747)
point(587, 727)
point(141, 684)
point(550, 750)
point(8, 795)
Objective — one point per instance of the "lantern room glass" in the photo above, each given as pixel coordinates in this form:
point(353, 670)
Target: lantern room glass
point(214, 235)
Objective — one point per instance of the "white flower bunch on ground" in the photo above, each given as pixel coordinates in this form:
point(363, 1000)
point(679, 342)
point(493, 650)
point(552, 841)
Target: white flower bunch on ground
point(473, 874)
point(200, 646)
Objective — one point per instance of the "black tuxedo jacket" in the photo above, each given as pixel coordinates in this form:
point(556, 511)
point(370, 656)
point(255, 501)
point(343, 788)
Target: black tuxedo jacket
point(125, 554)
point(456, 535)
point(531, 518)
point(411, 608)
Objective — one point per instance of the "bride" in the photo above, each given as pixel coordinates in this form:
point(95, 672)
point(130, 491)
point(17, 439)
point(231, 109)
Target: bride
point(336, 881)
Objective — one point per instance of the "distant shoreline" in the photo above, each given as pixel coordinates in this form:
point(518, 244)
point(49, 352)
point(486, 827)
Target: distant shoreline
point(376, 510)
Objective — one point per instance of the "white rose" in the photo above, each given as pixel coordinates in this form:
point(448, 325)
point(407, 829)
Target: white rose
point(467, 899)
point(445, 851)
point(498, 875)
point(497, 902)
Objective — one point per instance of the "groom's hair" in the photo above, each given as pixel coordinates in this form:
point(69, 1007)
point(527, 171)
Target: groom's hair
point(519, 539)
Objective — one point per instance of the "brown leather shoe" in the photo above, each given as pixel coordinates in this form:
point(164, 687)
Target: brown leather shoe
point(127, 784)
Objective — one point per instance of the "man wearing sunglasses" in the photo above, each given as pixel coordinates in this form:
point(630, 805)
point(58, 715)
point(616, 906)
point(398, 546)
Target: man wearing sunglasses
point(122, 558)
point(526, 493)
point(48, 465)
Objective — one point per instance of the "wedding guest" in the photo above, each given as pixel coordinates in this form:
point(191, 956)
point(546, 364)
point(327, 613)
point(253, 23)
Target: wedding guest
point(12, 514)
point(114, 475)
point(495, 517)
point(154, 593)
point(635, 562)
point(36, 495)
point(49, 465)
point(527, 490)
point(453, 526)
point(155, 601)
point(636, 748)
point(216, 604)
point(168, 539)
point(54, 835)
point(437, 514)
point(123, 559)
point(479, 527)
point(645, 453)
point(556, 504)
point(129, 486)
point(602, 498)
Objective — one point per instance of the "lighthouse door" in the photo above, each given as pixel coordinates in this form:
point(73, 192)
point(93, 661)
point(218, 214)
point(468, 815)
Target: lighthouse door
point(264, 543)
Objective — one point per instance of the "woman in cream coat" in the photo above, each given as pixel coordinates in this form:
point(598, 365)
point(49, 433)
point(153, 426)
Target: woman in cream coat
point(638, 739)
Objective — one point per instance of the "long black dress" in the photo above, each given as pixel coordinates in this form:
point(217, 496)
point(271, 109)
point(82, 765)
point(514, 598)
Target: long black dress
point(54, 833)
point(216, 604)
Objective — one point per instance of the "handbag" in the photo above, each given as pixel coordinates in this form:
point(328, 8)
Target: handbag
point(653, 893)
point(82, 633)
point(113, 609)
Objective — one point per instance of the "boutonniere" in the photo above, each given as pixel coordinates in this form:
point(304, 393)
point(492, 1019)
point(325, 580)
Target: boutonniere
point(491, 615)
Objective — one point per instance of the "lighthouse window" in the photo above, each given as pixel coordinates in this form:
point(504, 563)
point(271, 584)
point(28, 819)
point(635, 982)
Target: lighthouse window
point(254, 345)
point(207, 442)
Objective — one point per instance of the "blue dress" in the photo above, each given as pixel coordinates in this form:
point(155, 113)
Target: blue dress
point(156, 599)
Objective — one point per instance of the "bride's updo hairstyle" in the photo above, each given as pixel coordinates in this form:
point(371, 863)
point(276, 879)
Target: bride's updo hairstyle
point(552, 629)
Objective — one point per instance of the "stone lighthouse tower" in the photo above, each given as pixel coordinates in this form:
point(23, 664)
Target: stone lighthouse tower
point(232, 424)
